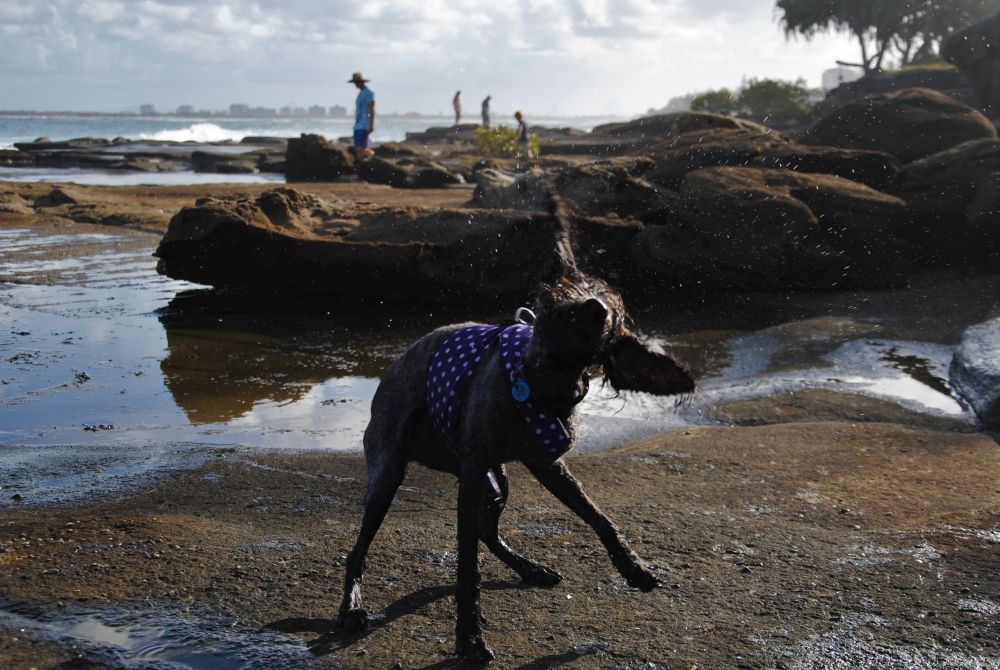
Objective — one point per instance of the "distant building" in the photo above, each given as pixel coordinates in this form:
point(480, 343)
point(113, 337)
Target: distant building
point(263, 111)
point(286, 110)
point(338, 110)
point(185, 110)
point(317, 110)
point(239, 109)
point(836, 76)
point(147, 109)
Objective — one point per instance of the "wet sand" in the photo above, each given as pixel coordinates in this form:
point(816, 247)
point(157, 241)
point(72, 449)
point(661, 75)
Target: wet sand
point(850, 532)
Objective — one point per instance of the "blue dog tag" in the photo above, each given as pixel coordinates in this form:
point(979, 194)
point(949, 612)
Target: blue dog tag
point(520, 390)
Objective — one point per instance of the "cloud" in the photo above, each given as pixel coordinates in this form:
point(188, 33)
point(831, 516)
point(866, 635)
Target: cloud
point(536, 54)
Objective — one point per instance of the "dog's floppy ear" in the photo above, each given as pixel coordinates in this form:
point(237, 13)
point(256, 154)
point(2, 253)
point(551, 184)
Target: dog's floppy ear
point(629, 365)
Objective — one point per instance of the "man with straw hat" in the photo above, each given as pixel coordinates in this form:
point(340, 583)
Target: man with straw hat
point(364, 116)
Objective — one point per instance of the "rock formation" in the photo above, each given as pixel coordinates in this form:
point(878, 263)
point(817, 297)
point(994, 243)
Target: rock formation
point(313, 158)
point(975, 371)
point(975, 50)
point(909, 124)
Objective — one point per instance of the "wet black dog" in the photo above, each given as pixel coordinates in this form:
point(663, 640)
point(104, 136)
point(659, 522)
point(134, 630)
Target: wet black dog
point(581, 327)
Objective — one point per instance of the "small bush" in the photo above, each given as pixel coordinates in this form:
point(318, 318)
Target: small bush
point(721, 101)
point(502, 141)
point(776, 101)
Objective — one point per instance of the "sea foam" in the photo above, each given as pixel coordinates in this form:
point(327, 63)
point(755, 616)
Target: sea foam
point(196, 132)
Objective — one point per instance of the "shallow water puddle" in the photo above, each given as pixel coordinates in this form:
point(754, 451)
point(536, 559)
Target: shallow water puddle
point(158, 637)
point(98, 349)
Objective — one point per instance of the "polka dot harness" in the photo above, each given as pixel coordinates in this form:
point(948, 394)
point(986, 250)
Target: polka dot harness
point(457, 359)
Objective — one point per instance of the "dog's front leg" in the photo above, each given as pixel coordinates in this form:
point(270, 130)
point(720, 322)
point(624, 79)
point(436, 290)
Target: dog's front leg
point(557, 478)
point(469, 642)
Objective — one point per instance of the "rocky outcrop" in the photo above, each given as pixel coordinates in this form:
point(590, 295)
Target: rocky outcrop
point(57, 197)
point(778, 229)
point(975, 372)
point(204, 161)
point(284, 240)
point(595, 189)
point(909, 124)
point(740, 147)
point(659, 127)
point(950, 81)
point(313, 158)
point(954, 198)
point(407, 172)
point(974, 50)
point(496, 189)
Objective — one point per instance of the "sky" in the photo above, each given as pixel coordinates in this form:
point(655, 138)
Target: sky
point(568, 57)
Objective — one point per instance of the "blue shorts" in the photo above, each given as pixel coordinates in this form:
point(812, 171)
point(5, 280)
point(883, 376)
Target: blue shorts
point(361, 138)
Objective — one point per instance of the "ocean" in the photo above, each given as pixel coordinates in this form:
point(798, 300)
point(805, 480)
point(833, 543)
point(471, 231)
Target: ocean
point(28, 127)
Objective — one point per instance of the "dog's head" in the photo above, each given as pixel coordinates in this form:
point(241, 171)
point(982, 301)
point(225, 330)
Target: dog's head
point(581, 323)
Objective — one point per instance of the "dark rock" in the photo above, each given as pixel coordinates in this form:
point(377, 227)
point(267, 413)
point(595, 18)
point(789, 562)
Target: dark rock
point(949, 81)
point(974, 50)
point(284, 240)
point(16, 158)
point(44, 144)
point(955, 201)
point(398, 150)
point(204, 161)
point(654, 129)
point(465, 132)
point(406, 172)
point(265, 141)
point(775, 229)
point(975, 371)
point(744, 148)
point(312, 158)
point(602, 190)
point(909, 124)
point(496, 189)
point(55, 198)
point(594, 189)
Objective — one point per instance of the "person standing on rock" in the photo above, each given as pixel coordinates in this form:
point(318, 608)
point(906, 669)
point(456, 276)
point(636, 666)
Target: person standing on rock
point(486, 111)
point(523, 139)
point(456, 102)
point(364, 117)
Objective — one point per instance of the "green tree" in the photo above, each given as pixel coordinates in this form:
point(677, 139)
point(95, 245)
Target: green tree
point(775, 101)
point(906, 30)
point(720, 101)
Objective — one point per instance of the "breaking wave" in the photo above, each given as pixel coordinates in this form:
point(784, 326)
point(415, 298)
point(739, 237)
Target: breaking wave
point(196, 132)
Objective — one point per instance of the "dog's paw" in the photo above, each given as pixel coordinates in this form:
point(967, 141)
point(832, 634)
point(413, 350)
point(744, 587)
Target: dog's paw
point(353, 619)
point(541, 576)
point(641, 577)
point(473, 649)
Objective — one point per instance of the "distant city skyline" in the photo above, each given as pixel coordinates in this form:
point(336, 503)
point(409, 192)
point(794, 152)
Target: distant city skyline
point(549, 57)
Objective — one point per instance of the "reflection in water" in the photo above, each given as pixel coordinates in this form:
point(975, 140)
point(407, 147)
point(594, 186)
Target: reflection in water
point(230, 352)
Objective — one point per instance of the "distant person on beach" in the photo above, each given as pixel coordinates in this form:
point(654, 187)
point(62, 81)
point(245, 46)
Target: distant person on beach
point(486, 111)
point(523, 137)
point(456, 102)
point(364, 117)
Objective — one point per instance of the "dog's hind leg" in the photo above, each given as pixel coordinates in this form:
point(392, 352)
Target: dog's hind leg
point(489, 533)
point(469, 642)
point(557, 478)
point(385, 474)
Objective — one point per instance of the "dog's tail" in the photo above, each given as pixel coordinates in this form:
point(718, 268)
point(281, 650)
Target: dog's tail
point(562, 262)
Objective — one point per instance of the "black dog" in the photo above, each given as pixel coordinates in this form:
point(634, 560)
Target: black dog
point(581, 326)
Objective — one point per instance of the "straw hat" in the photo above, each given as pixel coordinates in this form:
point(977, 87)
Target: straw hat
point(356, 77)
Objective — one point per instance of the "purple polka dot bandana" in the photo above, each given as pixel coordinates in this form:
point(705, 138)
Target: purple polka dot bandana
point(457, 359)
point(547, 428)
